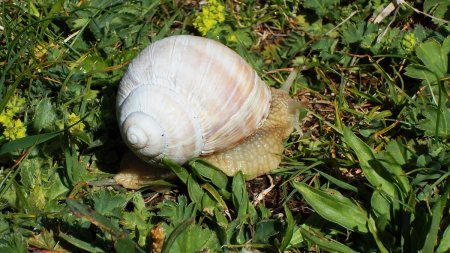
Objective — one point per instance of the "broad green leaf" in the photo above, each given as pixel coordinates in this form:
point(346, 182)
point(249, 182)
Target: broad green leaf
point(80, 23)
point(397, 172)
point(321, 7)
point(13, 243)
point(297, 238)
point(444, 245)
point(446, 44)
point(240, 198)
point(26, 142)
point(195, 191)
point(40, 179)
point(381, 207)
point(203, 200)
point(289, 231)
point(244, 37)
point(208, 204)
point(375, 173)
point(374, 231)
point(264, 230)
point(335, 208)
point(190, 237)
point(209, 173)
point(437, 8)
point(76, 166)
point(215, 195)
point(108, 203)
point(175, 233)
point(220, 218)
point(420, 72)
point(437, 212)
point(323, 243)
point(433, 57)
point(392, 159)
point(398, 152)
point(181, 172)
point(92, 64)
point(44, 115)
point(430, 122)
point(353, 32)
point(125, 245)
point(177, 210)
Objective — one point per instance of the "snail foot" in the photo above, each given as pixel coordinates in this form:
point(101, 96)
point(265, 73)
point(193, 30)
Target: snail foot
point(135, 173)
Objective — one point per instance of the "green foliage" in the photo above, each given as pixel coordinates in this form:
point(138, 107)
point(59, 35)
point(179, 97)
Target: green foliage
point(330, 207)
point(369, 173)
point(435, 61)
point(13, 243)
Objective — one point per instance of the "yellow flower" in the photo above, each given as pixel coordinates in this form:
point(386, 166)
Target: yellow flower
point(4, 119)
point(15, 130)
point(209, 17)
point(232, 38)
point(72, 119)
point(15, 105)
point(301, 21)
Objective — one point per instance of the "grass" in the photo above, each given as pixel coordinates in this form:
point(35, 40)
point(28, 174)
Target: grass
point(368, 172)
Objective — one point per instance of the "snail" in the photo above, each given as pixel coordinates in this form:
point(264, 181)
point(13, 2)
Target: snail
point(185, 96)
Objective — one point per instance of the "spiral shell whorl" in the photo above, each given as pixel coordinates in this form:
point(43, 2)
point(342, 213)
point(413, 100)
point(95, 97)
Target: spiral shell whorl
point(144, 135)
point(155, 122)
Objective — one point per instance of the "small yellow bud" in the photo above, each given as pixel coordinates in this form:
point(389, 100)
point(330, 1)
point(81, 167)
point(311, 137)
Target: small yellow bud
point(15, 130)
point(209, 17)
point(72, 119)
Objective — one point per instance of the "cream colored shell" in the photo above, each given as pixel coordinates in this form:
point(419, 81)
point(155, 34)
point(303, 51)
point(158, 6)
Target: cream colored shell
point(186, 96)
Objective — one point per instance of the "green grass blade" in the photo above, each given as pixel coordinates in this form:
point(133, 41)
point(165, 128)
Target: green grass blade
point(326, 244)
point(335, 208)
point(438, 210)
point(82, 211)
point(215, 195)
point(26, 142)
point(338, 182)
point(164, 30)
point(80, 244)
point(8, 180)
point(289, 232)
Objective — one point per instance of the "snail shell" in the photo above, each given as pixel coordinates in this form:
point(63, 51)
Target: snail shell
point(186, 96)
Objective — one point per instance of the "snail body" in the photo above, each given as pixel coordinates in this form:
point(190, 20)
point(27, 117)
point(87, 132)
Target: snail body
point(261, 152)
point(186, 96)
